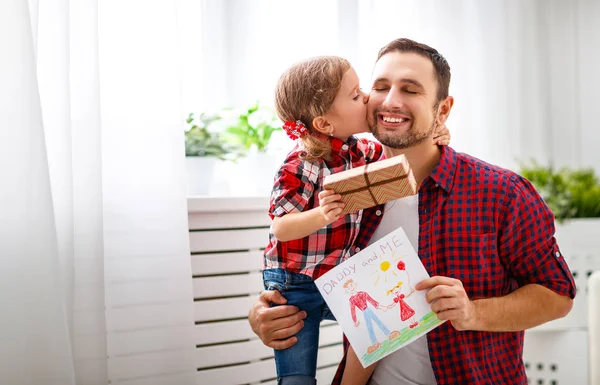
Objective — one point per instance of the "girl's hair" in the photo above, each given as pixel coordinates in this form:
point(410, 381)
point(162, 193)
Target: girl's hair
point(307, 90)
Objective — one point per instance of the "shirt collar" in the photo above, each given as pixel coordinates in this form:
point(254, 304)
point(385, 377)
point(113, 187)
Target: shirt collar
point(443, 173)
point(336, 144)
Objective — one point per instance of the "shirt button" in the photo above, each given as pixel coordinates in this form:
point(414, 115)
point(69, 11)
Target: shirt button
point(344, 147)
point(357, 249)
point(437, 185)
point(378, 213)
point(557, 254)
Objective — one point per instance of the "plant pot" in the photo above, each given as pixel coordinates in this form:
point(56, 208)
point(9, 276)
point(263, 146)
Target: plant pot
point(200, 171)
point(252, 176)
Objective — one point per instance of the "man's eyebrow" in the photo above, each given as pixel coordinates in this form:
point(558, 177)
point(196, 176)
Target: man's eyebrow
point(412, 81)
point(381, 80)
point(404, 80)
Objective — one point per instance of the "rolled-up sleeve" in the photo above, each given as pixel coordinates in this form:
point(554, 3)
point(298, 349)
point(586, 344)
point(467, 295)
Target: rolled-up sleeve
point(527, 243)
point(295, 185)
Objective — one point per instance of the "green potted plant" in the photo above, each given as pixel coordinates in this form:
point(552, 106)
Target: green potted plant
point(569, 193)
point(251, 130)
point(204, 148)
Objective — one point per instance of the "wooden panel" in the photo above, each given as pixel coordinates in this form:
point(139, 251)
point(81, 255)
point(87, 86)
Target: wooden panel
point(262, 370)
point(188, 377)
point(223, 263)
point(324, 376)
point(147, 292)
point(198, 221)
point(206, 241)
point(148, 340)
point(149, 316)
point(228, 285)
point(240, 352)
point(238, 374)
point(248, 351)
point(150, 364)
point(218, 309)
point(212, 333)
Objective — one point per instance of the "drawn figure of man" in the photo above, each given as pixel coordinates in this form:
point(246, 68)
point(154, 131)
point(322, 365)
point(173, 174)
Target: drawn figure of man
point(361, 301)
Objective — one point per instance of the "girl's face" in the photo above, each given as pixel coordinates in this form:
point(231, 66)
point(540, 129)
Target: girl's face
point(348, 113)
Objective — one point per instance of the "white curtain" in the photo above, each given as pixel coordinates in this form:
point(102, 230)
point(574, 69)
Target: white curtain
point(95, 279)
point(524, 72)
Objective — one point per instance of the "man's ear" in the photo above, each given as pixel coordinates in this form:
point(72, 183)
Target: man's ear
point(444, 110)
point(321, 124)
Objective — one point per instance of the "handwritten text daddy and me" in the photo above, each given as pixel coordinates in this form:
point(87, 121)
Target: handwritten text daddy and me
point(349, 269)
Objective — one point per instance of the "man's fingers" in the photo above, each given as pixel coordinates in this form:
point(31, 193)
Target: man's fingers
point(275, 315)
point(288, 332)
point(441, 292)
point(435, 281)
point(445, 304)
point(272, 296)
point(281, 321)
point(282, 344)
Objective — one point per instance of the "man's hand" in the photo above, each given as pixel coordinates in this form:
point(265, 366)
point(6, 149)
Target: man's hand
point(276, 326)
point(330, 205)
point(449, 301)
point(356, 323)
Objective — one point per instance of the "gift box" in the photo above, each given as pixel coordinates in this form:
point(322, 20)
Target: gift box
point(373, 184)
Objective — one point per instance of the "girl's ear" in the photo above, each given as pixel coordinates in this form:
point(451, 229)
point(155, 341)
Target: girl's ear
point(322, 125)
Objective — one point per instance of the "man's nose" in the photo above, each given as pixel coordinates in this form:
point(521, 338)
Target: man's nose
point(393, 99)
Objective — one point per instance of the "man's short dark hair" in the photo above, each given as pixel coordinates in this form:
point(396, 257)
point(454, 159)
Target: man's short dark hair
point(441, 66)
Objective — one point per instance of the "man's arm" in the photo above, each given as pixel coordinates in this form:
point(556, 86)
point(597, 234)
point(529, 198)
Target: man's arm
point(526, 307)
point(276, 326)
point(528, 249)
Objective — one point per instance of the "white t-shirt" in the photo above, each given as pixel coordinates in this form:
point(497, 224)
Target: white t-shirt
point(411, 364)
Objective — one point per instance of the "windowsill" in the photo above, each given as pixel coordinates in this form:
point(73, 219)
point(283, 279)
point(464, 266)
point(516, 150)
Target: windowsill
point(226, 204)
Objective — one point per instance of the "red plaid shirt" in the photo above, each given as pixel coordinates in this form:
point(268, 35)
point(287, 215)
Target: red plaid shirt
point(488, 227)
point(297, 186)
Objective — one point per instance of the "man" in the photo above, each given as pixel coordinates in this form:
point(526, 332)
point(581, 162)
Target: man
point(482, 232)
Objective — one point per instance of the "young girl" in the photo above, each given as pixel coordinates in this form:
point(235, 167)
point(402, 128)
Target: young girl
point(320, 101)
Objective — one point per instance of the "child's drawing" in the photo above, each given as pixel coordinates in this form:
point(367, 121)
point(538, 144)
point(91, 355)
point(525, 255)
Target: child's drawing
point(377, 281)
point(360, 300)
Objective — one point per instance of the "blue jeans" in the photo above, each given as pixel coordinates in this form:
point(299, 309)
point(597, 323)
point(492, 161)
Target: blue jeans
point(369, 318)
point(298, 364)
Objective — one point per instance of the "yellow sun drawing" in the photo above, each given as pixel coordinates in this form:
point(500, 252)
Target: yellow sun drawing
point(382, 271)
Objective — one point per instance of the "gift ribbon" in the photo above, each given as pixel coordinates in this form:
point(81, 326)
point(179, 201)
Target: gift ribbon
point(376, 184)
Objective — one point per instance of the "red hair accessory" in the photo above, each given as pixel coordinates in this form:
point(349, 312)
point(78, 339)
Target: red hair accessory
point(295, 129)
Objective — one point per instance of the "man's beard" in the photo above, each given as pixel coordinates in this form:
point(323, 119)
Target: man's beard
point(400, 141)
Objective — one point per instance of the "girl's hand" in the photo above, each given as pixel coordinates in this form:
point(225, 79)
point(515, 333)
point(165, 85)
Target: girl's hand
point(441, 136)
point(330, 205)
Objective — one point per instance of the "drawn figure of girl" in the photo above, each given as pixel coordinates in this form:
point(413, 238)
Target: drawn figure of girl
point(406, 312)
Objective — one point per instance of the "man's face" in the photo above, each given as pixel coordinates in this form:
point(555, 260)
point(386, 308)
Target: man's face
point(350, 287)
point(401, 104)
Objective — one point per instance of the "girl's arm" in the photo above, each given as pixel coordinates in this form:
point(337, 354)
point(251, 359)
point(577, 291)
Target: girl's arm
point(354, 373)
point(301, 224)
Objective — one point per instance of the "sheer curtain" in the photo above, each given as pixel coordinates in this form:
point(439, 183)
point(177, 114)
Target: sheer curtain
point(523, 71)
point(95, 276)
